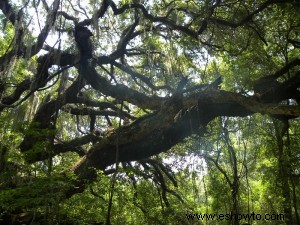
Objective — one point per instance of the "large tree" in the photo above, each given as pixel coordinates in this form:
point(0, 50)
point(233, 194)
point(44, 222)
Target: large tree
point(121, 81)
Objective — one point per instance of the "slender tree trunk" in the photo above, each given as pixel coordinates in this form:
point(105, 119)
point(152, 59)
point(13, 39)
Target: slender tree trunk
point(283, 172)
point(292, 182)
point(235, 183)
point(295, 202)
point(235, 203)
point(285, 187)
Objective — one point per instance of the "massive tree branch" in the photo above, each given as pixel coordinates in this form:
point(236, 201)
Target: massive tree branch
point(158, 132)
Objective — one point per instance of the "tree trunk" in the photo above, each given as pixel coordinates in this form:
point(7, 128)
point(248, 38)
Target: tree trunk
point(283, 174)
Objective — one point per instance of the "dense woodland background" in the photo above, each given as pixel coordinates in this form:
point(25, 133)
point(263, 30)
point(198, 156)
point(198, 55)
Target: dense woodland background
point(143, 112)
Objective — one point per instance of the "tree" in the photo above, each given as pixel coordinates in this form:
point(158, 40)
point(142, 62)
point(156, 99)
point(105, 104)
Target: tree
point(121, 81)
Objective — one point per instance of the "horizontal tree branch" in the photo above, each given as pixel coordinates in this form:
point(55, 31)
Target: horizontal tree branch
point(88, 111)
point(118, 91)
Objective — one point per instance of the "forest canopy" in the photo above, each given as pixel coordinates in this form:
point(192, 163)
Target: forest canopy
point(142, 112)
